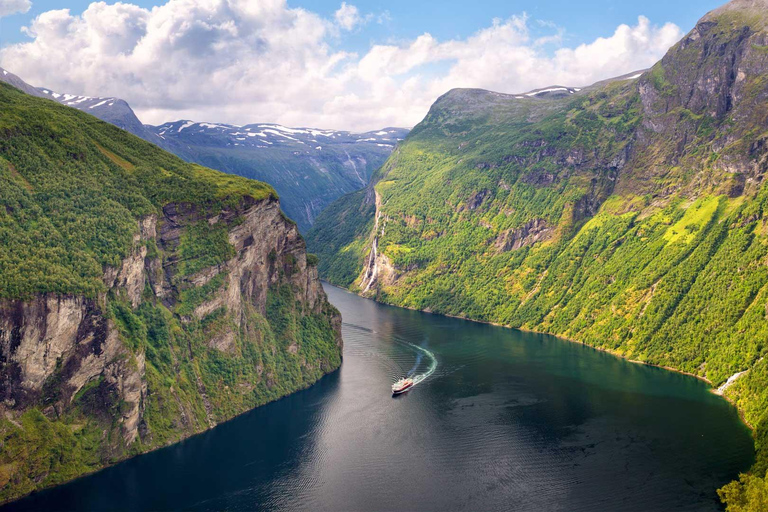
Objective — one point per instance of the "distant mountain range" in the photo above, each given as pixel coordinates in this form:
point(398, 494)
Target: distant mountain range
point(309, 168)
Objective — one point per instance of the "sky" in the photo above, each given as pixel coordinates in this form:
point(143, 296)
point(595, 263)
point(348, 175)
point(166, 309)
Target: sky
point(356, 65)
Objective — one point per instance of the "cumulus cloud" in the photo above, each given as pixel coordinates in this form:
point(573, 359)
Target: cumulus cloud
point(242, 61)
point(8, 7)
point(348, 17)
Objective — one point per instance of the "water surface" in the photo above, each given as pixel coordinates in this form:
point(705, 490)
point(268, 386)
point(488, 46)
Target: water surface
point(506, 420)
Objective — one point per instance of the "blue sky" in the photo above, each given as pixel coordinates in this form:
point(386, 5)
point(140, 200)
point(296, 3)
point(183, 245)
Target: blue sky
point(359, 64)
point(445, 19)
point(583, 20)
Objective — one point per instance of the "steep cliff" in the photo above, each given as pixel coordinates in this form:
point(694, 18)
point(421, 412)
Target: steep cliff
point(142, 299)
point(630, 215)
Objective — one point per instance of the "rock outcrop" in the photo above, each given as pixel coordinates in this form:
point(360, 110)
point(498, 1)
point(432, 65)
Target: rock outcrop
point(54, 347)
point(533, 231)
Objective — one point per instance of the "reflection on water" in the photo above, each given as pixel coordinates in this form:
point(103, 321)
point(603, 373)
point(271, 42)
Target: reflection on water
point(506, 420)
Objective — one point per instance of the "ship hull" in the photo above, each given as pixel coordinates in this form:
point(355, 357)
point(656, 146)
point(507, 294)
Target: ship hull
point(401, 391)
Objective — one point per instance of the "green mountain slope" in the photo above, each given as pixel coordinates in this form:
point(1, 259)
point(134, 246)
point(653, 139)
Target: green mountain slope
point(142, 299)
point(630, 215)
point(309, 168)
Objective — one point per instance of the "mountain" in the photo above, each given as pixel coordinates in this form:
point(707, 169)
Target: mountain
point(309, 168)
point(112, 110)
point(11, 79)
point(143, 299)
point(630, 215)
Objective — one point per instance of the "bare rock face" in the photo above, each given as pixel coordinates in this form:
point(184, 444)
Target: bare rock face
point(51, 346)
point(708, 91)
point(266, 231)
point(127, 377)
point(131, 274)
point(533, 231)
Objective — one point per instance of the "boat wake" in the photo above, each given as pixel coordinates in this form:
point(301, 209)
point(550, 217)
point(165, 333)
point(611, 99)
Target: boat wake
point(431, 367)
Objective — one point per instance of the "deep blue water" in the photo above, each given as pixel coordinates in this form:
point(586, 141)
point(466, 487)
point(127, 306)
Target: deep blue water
point(507, 420)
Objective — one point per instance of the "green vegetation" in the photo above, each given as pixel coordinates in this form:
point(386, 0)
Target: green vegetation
point(73, 192)
point(339, 240)
point(38, 452)
point(203, 245)
point(308, 176)
point(749, 494)
point(69, 204)
point(619, 217)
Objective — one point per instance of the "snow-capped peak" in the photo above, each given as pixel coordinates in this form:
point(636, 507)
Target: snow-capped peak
point(263, 135)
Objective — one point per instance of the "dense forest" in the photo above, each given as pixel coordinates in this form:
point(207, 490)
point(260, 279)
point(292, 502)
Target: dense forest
point(630, 216)
point(154, 278)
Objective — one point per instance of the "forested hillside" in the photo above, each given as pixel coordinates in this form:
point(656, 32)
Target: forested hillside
point(630, 216)
point(142, 299)
point(308, 167)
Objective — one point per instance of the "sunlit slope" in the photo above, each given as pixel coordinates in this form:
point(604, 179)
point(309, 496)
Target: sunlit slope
point(142, 299)
point(73, 188)
point(630, 215)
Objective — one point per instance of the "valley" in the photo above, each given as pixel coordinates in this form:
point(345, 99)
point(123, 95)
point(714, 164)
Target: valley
point(627, 216)
point(163, 325)
point(309, 168)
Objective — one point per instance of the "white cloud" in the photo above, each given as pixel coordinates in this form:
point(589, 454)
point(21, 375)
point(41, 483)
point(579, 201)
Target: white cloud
point(242, 61)
point(8, 7)
point(348, 17)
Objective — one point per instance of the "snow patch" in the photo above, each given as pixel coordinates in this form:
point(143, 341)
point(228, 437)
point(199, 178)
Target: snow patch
point(185, 125)
point(275, 132)
point(215, 126)
point(552, 89)
point(278, 129)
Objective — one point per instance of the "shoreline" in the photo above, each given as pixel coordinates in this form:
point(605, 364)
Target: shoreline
point(169, 444)
point(712, 389)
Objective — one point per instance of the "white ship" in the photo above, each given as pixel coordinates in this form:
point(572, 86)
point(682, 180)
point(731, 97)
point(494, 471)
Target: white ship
point(402, 385)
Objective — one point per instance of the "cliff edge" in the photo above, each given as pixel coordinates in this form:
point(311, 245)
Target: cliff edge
point(142, 299)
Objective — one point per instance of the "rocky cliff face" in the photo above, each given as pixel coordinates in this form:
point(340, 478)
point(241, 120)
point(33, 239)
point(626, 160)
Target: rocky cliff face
point(52, 347)
point(708, 90)
point(142, 299)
